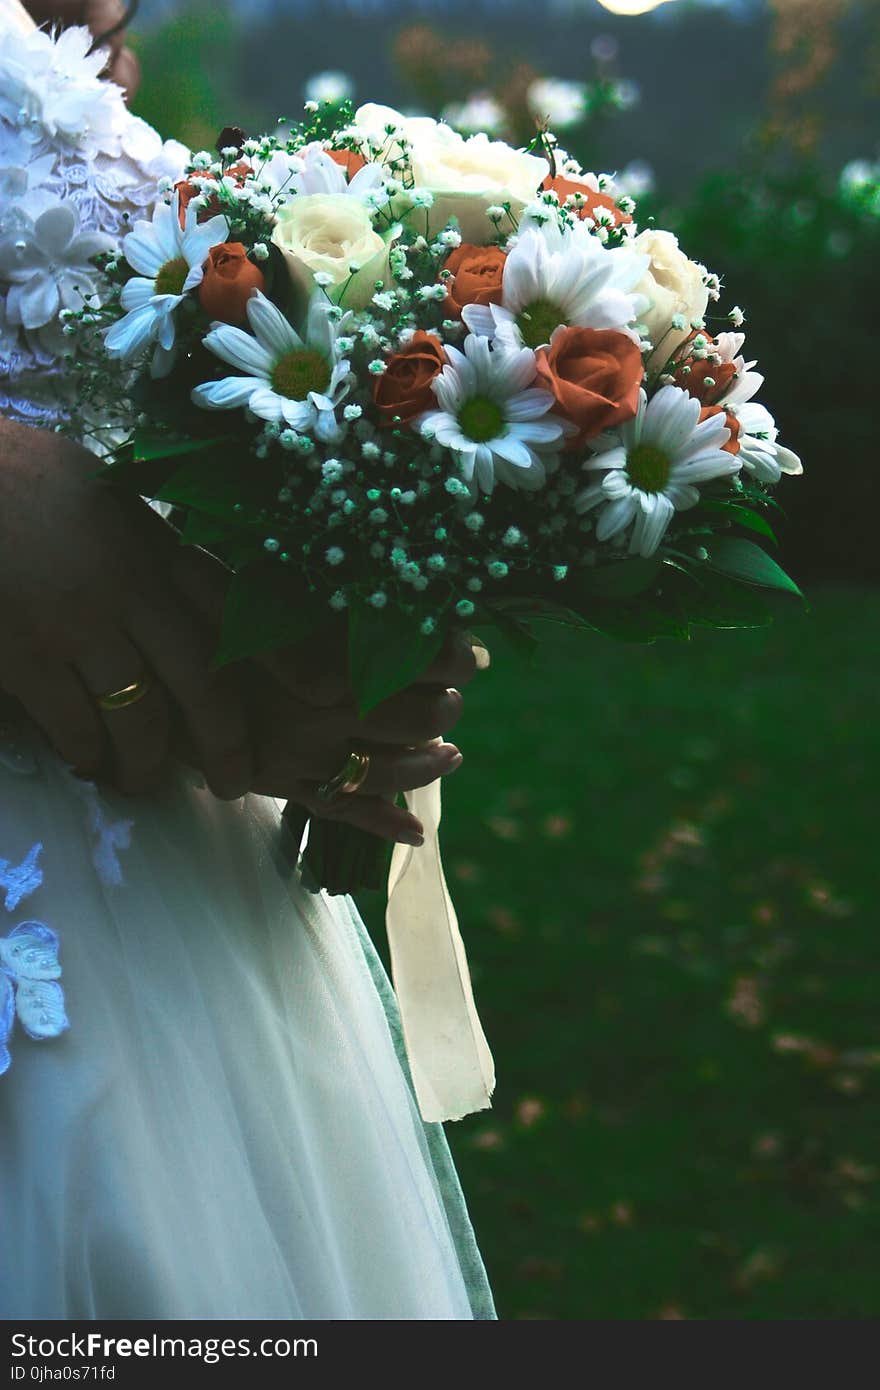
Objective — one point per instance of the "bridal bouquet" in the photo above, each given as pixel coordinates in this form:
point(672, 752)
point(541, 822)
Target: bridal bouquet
point(402, 380)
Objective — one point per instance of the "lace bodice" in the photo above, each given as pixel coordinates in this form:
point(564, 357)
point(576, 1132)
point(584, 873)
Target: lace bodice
point(75, 166)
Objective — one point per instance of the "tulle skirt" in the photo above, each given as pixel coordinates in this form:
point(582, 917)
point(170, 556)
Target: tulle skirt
point(227, 1129)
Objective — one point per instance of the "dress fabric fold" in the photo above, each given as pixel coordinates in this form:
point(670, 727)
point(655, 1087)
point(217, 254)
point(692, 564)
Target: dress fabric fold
point(227, 1129)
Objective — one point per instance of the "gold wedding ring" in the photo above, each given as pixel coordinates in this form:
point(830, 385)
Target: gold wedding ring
point(128, 695)
point(348, 779)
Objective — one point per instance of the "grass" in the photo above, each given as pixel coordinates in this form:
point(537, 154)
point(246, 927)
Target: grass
point(664, 864)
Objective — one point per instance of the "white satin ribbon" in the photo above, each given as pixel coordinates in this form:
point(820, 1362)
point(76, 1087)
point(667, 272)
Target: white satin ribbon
point(452, 1068)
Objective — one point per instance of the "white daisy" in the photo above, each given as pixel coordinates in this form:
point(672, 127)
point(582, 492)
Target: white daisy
point(759, 451)
point(291, 380)
point(492, 416)
point(48, 264)
point(746, 383)
point(170, 262)
point(651, 466)
point(556, 276)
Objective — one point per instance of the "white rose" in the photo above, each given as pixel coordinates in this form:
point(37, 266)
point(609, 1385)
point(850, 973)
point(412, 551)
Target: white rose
point(673, 285)
point(327, 234)
point(468, 176)
point(372, 121)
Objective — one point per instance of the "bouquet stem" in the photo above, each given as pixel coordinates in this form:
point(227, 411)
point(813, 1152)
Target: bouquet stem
point(338, 858)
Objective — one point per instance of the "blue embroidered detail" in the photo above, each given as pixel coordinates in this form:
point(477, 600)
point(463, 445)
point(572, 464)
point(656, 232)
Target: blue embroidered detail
point(20, 880)
point(29, 988)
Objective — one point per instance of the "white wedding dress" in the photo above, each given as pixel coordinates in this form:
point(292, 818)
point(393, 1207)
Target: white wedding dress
point(226, 1129)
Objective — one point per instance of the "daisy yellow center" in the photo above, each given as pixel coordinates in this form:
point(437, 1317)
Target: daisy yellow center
point(481, 419)
point(538, 321)
point(299, 372)
point(172, 276)
point(648, 468)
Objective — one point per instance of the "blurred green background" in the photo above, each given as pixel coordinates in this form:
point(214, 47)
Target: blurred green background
point(663, 858)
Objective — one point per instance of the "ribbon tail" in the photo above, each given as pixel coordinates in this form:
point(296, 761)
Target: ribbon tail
point(452, 1068)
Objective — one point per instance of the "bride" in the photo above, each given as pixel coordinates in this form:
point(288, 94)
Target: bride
point(210, 1116)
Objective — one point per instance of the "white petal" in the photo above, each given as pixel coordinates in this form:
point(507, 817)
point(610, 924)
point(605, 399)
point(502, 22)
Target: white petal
point(274, 332)
point(615, 518)
point(529, 405)
point(226, 394)
point(197, 241)
point(484, 472)
point(54, 231)
point(538, 431)
point(37, 302)
point(651, 523)
point(240, 350)
point(133, 333)
point(479, 319)
point(788, 461)
point(514, 450)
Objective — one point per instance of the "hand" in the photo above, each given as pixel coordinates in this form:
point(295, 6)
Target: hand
point(99, 16)
point(88, 603)
point(304, 720)
point(299, 745)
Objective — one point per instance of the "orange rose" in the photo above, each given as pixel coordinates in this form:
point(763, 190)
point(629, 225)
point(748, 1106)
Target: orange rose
point(595, 375)
point(350, 160)
point(478, 271)
point(230, 279)
point(188, 191)
point(593, 200)
point(404, 388)
point(719, 374)
point(733, 445)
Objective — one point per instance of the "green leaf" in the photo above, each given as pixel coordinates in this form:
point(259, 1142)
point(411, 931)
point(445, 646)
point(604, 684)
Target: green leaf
point(534, 610)
point(713, 600)
point(743, 516)
point(153, 443)
point(202, 529)
point(266, 608)
point(142, 478)
point(622, 579)
point(215, 484)
point(747, 562)
point(387, 650)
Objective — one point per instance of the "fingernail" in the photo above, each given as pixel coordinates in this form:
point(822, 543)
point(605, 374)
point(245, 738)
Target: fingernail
point(410, 837)
point(482, 659)
point(447, 751)
point(454, 763)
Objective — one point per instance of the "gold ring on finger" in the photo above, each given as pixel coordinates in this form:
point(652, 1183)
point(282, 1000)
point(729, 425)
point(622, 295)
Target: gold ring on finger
point(127, 695)
point(350, 777)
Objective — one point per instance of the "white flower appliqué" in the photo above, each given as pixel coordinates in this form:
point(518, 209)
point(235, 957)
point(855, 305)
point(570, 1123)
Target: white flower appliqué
point(29, 967)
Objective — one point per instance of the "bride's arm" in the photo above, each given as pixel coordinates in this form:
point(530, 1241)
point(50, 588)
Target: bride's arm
point(86, 608)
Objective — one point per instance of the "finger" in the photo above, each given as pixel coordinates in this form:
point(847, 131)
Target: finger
point(56, 700)
point(371, 813)
point(390, 772)
point(138, 733)
point(180, 651)
point(413, 716)
point(456, 662)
